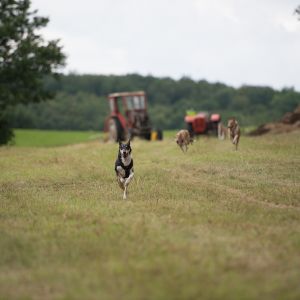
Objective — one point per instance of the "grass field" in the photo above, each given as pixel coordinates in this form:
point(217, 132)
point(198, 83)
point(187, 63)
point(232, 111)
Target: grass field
point(50, 138)
point(209, 224)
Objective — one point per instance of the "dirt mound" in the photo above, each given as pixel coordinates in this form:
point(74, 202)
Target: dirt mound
point(291, 117)
point(289, 122)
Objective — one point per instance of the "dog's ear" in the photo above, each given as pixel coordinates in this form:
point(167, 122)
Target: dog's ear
point(120, 143)
point(128, 143)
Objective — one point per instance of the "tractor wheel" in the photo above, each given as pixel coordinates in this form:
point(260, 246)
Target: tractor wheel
point(115, 130)
point(147, 136)
point(190, 129)
point(159, 135)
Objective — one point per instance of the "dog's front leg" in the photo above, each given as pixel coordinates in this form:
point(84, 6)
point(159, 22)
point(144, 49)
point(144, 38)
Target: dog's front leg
point(235, 142)
point(121, 182)
point(231, 135)
point(235, 139)
point(125, 193)
point(126, 183)
point(121, 171)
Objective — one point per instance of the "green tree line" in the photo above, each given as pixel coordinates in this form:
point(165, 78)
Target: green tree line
point(26, 58)
point(80, 102)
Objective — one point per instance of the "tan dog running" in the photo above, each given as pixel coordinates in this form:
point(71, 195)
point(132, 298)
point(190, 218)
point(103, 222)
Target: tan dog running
point(234, 131)
point(183, 139)
point(222, 132)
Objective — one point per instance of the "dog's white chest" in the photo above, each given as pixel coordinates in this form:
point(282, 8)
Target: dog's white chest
point(126, 161)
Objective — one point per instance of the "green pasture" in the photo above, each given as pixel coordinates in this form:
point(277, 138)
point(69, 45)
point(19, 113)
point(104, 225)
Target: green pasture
point(50, 138)
point(212, 223)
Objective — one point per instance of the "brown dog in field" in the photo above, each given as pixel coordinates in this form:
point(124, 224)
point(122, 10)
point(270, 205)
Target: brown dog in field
point(234, 131)
point(183, 139)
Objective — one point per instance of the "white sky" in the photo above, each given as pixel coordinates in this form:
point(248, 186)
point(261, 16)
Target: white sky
point(236, 42)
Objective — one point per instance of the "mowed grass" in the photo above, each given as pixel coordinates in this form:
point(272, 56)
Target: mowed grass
point(209, 224)
point(50, 138)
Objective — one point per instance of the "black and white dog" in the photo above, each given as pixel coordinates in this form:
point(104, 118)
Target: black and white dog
point(124, 167)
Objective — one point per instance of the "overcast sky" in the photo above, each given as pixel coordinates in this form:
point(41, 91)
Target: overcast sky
point(236, 42)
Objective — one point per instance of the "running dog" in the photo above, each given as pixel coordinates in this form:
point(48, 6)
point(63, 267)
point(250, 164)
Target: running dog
point(124, 167)
point(222, 131)
point(234, 131)
point(183, 139)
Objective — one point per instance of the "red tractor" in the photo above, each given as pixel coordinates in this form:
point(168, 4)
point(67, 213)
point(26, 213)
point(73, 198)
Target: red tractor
point(203, 123)
point(129, 118)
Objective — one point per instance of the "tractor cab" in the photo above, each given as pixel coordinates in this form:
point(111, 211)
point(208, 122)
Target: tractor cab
point(128, 116)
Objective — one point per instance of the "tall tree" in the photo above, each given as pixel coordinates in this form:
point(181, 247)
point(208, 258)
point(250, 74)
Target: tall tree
point(25, 59)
